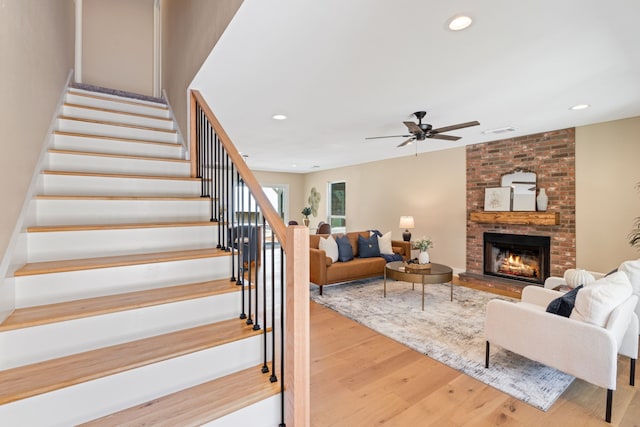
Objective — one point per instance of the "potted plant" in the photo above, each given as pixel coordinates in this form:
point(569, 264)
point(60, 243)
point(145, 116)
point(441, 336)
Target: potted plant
point(423, 244)
point(306, 211)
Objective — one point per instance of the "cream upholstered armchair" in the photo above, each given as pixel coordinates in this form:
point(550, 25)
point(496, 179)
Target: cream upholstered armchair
point(585, 345)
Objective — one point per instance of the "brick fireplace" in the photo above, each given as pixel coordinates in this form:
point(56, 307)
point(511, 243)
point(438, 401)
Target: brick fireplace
point(551, 155)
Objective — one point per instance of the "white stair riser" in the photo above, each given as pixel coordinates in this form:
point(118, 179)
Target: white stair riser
point(81, 185)
point(51, 288)
point(122, 165)
point(38, 343)
point(75, 126)
point(113, 103)
point(116, 117)
point(100, 397)
point(58, 245)
point(82, 212)
point(114, 146)
point(265, 413)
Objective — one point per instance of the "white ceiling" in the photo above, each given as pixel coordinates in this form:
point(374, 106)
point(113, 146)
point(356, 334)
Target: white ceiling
point(343, 70)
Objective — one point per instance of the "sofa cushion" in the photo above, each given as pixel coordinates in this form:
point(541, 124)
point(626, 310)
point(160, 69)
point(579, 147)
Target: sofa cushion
point(368, 247)
point(632, 270)
point(578, 276)
point(345, 250)
point(596, 301)
point(330, 246)
point(564, 305)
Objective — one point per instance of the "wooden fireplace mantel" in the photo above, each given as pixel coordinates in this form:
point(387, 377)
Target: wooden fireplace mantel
point(509, 217)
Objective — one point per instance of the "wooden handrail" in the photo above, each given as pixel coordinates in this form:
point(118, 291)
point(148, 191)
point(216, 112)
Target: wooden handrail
point(270, 214)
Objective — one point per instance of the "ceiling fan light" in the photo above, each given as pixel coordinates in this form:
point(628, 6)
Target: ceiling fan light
point(459, 22)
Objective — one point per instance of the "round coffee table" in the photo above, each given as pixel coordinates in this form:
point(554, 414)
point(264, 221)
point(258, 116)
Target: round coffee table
point(438, 273)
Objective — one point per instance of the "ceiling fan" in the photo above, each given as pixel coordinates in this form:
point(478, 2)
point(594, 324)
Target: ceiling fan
point(422, 131)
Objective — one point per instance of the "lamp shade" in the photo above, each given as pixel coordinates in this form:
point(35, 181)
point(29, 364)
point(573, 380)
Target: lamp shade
point(406, 222)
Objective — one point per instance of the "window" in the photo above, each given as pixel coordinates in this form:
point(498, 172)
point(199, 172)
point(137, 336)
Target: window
point(337, 203)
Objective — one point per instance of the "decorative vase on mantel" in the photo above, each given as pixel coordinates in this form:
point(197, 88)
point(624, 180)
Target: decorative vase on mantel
point(423, 257)
point(305, 221)
point(542, 200)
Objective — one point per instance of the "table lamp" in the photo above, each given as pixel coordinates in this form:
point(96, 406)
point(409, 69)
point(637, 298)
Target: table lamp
point(406, 222)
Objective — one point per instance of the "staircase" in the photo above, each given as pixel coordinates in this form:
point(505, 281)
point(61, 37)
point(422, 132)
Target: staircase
point(125, 312)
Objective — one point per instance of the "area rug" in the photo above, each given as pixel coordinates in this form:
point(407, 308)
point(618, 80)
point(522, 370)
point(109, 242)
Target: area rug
point(450, 332)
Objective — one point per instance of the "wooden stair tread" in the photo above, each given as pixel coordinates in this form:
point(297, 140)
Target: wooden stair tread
point(46, 267)
point(131, 101)
point(120, 175)
point(88, 227)
point(143, 198)
point(59, 312)
point(114, 138)
point(124, 125)
point(31, 380)
point(119, 156)
point(199, 404)
point(124, 113)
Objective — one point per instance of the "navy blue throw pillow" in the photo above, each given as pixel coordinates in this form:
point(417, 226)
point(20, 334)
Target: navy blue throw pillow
point(345, 251)
point(564, 305)
point(368, 248)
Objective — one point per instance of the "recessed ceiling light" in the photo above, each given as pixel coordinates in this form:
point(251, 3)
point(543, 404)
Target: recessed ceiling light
point(579, 107)
point(459, 22)
point(279, 117)
point(293, 165)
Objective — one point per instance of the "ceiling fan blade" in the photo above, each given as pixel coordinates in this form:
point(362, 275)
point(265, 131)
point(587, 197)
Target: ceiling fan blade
point(407, 142)
point(413, 128)
point(447, 137)
point(390, 136)
point(454, 127)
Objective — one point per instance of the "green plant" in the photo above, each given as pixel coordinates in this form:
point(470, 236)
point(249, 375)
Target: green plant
point(423, 244)
point(634, 236)
point(306, 211)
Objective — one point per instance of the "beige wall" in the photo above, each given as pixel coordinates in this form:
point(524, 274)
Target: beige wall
point(36, 41)
point(607, 170)
point(190, 29)
point(430, 186)
point(117, 44)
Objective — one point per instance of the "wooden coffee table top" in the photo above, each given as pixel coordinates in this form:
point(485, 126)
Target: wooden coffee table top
point(438, 273)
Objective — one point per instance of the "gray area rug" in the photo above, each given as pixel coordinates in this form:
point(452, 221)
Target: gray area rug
point(450, 332)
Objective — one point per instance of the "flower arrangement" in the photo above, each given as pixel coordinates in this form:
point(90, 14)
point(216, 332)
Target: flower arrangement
point(306, 211)
point(423, 244)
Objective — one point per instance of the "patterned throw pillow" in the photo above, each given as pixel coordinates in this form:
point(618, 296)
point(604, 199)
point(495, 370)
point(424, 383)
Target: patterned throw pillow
point(368, 248)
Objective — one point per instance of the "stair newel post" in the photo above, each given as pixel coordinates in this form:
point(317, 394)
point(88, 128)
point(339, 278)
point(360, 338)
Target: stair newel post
point(232, 230)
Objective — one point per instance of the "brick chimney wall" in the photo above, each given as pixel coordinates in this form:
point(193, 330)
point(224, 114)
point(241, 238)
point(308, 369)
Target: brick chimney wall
point(551, 155)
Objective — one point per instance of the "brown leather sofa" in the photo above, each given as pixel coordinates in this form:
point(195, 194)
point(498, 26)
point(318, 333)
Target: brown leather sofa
point(322, 271)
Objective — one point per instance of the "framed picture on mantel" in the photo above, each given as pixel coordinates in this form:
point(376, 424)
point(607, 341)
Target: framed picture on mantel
point(497, 199)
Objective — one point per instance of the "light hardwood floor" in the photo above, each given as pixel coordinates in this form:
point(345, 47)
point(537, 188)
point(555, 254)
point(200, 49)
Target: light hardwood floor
point(361, 378)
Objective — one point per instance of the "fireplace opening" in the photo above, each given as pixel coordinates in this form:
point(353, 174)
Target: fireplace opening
point(517, 256)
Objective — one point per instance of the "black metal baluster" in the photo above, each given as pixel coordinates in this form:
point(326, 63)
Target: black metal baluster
point(255, 246)
point(265, 368)
point(246, 257)
point(273, 378)
point(241, 212)
point(282, 337)
point(232, 231)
